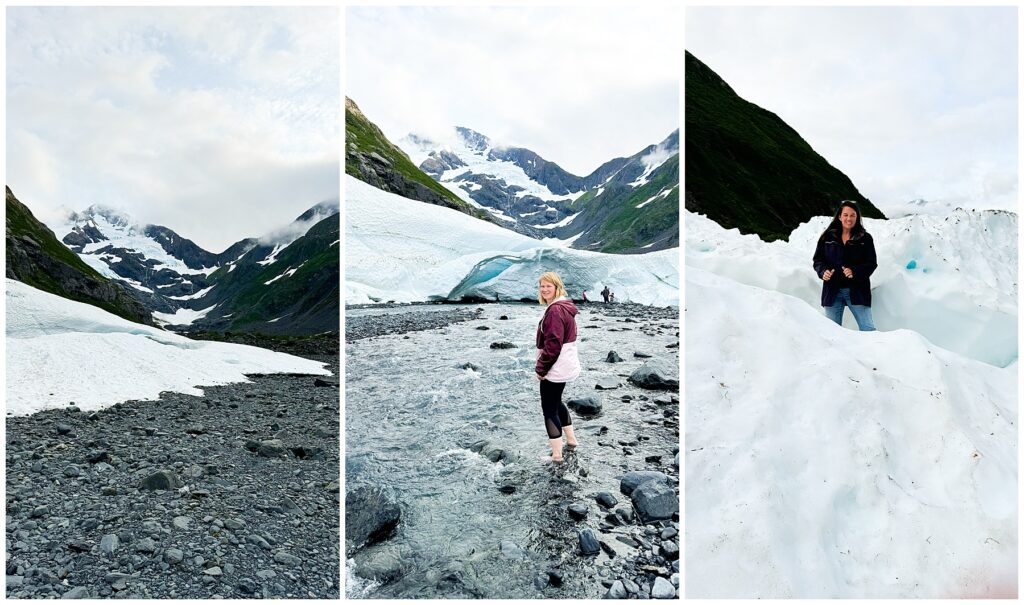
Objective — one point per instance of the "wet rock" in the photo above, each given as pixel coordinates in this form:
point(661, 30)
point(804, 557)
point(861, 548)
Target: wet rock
point(383, 562)
point(320, 382)
point(613, 357)
point(62, 429)
point(146, 545)
point(589, 545)
point(555, 577)
point(578, 511)
point(655, 500)
point(605, 499)
point(371, 515)
point(631, 480)
point(669, 550)
point(469, 366)
point(607, 384)
point(585, 406)
point(642, 355)
point(161, 480)
point(656, 374)
point(72, 470)
point(503, 345)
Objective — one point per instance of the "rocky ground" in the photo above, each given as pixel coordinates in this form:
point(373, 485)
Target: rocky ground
point(368, 326)
point(610, 513)
point(234, 494)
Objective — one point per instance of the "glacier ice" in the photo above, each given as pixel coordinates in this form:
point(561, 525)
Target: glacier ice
point(403, 250)
point(953, 279)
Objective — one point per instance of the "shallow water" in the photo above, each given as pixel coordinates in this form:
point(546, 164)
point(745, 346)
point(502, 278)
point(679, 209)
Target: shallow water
point(412, 416)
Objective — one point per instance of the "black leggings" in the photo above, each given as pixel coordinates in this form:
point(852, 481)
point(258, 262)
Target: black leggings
point(556, 415)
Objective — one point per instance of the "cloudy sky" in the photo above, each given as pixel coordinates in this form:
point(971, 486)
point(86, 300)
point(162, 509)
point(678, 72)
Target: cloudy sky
point(218, 123)
point(916, 102)
point(578, 85)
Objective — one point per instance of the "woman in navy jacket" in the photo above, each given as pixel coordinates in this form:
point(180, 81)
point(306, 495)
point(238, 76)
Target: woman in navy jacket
point(844, 260)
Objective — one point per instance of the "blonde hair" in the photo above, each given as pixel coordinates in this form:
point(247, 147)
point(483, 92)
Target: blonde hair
point(552, 278)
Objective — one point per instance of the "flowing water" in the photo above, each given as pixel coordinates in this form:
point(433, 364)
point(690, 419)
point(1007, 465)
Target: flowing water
point(476, 528)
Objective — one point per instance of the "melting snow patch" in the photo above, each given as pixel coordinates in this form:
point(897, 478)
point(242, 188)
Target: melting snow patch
point(198, 294)
point(182, 317)
point(60, 351)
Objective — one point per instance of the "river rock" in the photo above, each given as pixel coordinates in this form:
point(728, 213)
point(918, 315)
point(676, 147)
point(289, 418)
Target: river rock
point(503, 345)
point(109, 544)
point(631, 480)
point(669, 550)
point(272, 448)
point(78, 592)
point(655, 500)
point(588, 542)
point(371, 514)
point(586, 406)
point(656, 374)
point(607, 384)
point(511, 550)
point(617, 591)
point(578, 511)
point(383, 562)
point(174, 555)
point(662, 589)
point(613, 357)
point(605, 499)
point(164, 480)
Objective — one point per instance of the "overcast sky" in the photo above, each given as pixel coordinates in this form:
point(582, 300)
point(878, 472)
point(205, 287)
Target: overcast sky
point(917, 102)
point(219, 123)
point(579, 85)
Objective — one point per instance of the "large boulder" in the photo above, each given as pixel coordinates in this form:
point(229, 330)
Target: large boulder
point(371, 515)
point(655, 501)
point(656, 374)
point(633, 479)
point(586, 406)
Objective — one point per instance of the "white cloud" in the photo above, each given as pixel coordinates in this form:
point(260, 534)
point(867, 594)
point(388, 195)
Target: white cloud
point(220, 123)
point(909, 102)
point(577, 85)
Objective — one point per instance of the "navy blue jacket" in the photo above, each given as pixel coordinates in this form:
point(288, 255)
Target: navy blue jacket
point(857, 254)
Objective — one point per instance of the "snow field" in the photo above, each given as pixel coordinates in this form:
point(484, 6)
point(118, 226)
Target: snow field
point(60, 351)
point(823, 462)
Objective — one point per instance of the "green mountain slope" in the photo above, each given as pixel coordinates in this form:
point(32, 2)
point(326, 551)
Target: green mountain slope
point(301, 298)
point(372, 158)
point(746, 168)
point(37, 258)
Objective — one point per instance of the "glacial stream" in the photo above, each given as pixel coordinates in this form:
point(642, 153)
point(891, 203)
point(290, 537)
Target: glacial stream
point(476, 528)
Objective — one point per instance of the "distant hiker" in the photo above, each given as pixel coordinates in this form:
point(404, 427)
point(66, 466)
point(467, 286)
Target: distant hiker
point(611, 297)
point(844, 259)
point(584, 296)
point(557, 360)
point(605, 293)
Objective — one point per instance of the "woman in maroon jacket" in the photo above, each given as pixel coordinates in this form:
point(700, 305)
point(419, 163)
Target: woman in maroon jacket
point(557, 360)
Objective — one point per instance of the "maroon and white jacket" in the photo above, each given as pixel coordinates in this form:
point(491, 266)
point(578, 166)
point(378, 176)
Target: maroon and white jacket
point(557, 358)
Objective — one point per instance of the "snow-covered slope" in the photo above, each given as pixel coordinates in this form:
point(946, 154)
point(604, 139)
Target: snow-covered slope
point(403, 250)
point(60, 351)
point(953, 279)
point(823, 462)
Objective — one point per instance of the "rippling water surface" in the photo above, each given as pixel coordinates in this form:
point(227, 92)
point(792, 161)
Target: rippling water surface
point(412, 415)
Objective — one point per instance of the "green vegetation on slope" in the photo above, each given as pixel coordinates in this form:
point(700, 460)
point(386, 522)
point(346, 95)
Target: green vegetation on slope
point(35, 257)
point(627, 228)
point(748, 169)
point(372, 158)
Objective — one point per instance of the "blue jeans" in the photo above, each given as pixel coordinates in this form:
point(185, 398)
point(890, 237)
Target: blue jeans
point(861, 313)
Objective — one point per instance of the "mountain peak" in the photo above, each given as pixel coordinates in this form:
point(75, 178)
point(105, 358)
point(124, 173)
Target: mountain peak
point(473, 139)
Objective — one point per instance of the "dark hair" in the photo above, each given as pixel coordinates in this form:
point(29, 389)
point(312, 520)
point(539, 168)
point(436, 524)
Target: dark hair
point(836, 226)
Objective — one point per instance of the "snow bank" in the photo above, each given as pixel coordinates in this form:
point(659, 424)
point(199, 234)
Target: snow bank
point(823, 462)
point(953, 279)
point(59, 351)
point(403, 250)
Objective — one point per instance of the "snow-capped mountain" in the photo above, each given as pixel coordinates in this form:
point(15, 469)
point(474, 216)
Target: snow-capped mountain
point(392, 255)
point(536, 197)
point(185, 285)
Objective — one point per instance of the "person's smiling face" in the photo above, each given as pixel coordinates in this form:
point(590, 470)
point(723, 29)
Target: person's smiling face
point(848, 218)
point(547, 290)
